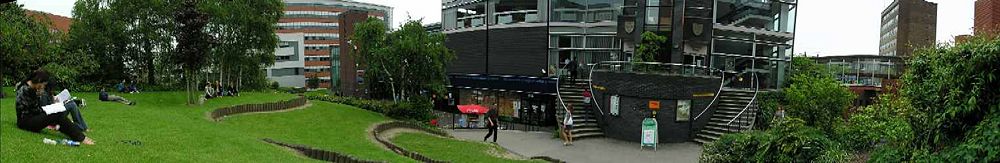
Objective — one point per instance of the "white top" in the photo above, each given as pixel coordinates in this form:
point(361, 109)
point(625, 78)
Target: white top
point(568, 120)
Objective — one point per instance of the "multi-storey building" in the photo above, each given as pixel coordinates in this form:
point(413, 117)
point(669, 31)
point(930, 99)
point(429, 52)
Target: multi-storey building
point(987, 19)
point(907, 25)
point(866, 75)
point(508, 51)
point(316, 28)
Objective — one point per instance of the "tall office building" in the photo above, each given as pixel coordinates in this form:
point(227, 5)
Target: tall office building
point(907, 25)
point(987, 17)
point(311, 33)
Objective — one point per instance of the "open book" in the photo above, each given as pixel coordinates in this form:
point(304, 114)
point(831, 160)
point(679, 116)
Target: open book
point(59, 106)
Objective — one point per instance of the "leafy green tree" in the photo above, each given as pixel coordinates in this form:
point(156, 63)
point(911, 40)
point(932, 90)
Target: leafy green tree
point(246, 40)
point(25, 43)
point(193, 44)
point(815, 96)
point(955, 100)
point(651, 46)
point(410, 60)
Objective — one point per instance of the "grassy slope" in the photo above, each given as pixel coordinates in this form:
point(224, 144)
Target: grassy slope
point(172, 132)
point(325, 125)
point(450, 149)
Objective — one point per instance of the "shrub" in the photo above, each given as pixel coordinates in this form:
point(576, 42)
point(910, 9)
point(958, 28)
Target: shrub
point(787, 141)
point(819, 100)
point(954, 95)
point(769, 103)
point(417, 109)
point(882, 123)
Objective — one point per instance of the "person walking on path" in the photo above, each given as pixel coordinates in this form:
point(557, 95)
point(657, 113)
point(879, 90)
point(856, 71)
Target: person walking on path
point(492, 124)
point(567, 129)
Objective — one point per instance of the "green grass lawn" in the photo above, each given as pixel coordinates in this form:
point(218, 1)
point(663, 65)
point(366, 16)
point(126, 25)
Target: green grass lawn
point(452, 150)
point(171, 131)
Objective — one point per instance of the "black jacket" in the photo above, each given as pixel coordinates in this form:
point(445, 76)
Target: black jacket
point(29, 102)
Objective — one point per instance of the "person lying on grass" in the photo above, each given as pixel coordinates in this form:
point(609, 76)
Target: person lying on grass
point(31, 96)
point(104, 96)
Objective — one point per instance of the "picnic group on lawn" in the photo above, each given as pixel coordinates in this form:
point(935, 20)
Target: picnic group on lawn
point(38, 109)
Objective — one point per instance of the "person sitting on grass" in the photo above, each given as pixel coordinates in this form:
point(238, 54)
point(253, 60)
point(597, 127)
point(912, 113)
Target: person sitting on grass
point(31, 96)
point(104, 96)
point(209, 90)
point(567, 129)
point(121, 86)
point(132, 88)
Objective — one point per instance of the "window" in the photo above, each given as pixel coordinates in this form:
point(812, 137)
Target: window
point(286, 72)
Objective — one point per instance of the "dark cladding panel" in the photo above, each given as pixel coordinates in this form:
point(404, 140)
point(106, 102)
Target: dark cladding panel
point(518, 51)
point(470, 52)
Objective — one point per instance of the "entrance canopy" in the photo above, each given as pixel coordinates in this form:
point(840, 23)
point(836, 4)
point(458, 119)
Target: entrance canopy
point(473, 109)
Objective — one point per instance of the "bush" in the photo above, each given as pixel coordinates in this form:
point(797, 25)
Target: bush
point(769, 103)
point(787, 141)
point(882, 123)
point(819, 100)
point(954, 95)
point(417, 109)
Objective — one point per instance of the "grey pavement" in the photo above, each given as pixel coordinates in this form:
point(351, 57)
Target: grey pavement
point(529, 144)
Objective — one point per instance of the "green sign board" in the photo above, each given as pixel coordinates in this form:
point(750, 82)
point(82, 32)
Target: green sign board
point(649, 133)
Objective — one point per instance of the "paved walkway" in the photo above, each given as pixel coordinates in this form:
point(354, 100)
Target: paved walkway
point(530, 144)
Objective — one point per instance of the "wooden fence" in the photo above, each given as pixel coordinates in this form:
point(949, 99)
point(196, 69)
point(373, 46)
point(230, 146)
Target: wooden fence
point(218, 114)
point(320, 154)
point(399, 150)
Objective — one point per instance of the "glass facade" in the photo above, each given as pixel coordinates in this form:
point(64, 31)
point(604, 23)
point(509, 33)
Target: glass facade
point(754, 36)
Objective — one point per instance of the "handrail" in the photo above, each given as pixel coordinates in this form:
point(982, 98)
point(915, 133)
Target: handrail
point(722, 83)
point(590, 86)
point(756, 90)
point(558, 93)
point(711, 70)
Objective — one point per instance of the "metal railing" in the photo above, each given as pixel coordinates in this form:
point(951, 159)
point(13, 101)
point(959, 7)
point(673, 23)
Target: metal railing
point(626, 66)
point(751, 103)
point(655, 68)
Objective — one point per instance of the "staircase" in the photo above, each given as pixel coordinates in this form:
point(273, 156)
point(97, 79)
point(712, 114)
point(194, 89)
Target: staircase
point(731, 102)
point(584, 120)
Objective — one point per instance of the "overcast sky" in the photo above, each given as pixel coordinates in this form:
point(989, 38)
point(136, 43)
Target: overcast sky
point(825, 27)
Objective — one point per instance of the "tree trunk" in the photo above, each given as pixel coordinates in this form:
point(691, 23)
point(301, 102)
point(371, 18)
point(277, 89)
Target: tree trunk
point(151, 74)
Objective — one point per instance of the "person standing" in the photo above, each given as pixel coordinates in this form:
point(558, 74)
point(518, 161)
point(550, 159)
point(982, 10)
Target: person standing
point(567, 131)
point(492, 124)
point(31, 96)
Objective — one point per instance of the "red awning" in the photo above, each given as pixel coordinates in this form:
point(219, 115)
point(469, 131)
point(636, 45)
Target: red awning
point(473, 109)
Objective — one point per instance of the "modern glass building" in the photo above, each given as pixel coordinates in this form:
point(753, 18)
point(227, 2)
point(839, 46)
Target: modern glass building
point(866, 75)
point(500, 43)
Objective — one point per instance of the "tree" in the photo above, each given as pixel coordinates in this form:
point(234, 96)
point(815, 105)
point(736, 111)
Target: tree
point(410, 60)
point(193, 43)
point(815, 97)
point(246, 40)
point(650, 47)
point(25, 43)
point(956, 105)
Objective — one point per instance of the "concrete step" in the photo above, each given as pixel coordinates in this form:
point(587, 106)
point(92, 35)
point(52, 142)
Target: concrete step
point(587, 135)
point(582, 130)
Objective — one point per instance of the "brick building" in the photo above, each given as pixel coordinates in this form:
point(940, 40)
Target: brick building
point(987, 18)
point(312, 34)
point(907, 25)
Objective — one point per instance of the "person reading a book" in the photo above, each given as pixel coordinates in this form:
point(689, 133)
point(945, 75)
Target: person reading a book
point(36, 111)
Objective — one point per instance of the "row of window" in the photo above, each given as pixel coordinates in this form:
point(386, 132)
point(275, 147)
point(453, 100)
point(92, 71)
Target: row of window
point(312, 58)
point(322, 37)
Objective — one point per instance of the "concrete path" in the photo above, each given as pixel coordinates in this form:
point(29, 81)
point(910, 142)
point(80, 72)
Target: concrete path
point(530, 144)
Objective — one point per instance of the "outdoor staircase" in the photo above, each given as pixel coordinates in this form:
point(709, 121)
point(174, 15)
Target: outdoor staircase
point(729, 105)
point(584, 120)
